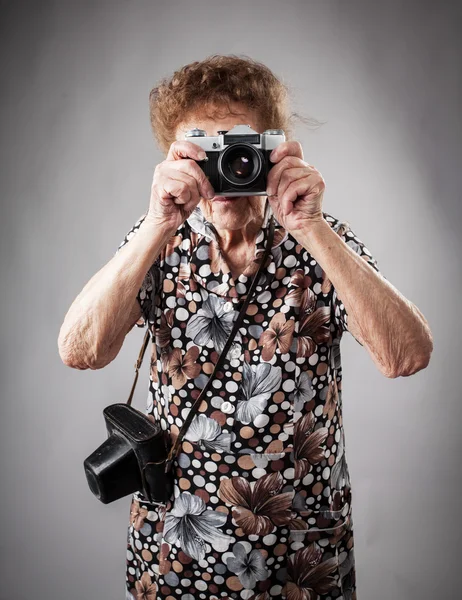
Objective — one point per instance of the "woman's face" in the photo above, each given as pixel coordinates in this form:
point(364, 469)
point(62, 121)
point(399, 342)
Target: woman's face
point(240, 211)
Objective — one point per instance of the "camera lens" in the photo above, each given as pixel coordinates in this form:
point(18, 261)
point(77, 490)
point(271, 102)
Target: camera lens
point(240, 164)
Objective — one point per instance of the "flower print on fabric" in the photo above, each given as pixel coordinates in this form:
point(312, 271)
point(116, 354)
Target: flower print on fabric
point(192, 526)
point(331, 398)
point(212, 324)
point(182, 367)
point(335, 356)
point(249, 566)
point(340, 478)
point(307, 577)
point(145, 588)
point(277, 337)
point(207, 434)
point(347, 575)
point(303, 391)
point(137, 515)
point(258, 507)
point(299, 296)
point(200, 224)
point(308, 444)
point(258, 382)
point(261, 501)
point(313, 329)
point(262, 596)
point(163, 333)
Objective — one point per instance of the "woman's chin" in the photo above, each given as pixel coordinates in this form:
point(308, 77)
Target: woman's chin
point(230, 212)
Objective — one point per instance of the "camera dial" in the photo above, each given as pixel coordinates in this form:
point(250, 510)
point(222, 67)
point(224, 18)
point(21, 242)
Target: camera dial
point(195, 133)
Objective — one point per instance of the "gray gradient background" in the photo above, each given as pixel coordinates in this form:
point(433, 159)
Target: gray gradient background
point(77, 158)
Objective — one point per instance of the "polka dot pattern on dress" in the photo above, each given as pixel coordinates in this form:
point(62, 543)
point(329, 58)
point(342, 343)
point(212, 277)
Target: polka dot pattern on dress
point(261, 506)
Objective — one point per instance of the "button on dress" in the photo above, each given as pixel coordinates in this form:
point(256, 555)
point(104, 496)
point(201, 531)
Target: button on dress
point(262, 501)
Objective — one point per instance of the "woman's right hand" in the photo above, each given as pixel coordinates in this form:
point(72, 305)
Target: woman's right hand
point(177, 186)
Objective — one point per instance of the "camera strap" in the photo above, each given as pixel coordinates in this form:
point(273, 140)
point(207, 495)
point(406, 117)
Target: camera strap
point(237, 323)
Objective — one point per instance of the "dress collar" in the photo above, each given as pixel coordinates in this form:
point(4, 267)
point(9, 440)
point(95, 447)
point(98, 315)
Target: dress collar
point(208, 266)
point(200, 225)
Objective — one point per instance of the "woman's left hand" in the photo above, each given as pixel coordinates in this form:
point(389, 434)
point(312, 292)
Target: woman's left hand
point(295, 188)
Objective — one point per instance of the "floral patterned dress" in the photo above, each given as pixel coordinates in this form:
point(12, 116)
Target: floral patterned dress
point(262, 497)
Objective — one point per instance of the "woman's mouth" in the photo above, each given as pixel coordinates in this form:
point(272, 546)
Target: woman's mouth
point(226, 199)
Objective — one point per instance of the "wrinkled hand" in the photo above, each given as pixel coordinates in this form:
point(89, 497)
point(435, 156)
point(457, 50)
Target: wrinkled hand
point(295, 189)
point(177, 186)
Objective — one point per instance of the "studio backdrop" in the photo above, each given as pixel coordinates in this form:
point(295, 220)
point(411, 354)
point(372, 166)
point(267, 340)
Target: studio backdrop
point(382, 80)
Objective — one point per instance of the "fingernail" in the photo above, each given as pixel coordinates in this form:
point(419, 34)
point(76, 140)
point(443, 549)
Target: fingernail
point(210, 195)
point(202, 155)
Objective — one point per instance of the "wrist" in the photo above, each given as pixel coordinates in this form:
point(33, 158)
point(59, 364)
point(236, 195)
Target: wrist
point(312, 233)
point(156, 234)
point(158, 227)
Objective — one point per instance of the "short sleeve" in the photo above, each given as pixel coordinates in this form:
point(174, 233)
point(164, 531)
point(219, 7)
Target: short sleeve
point(344, 230)
point(146, 292)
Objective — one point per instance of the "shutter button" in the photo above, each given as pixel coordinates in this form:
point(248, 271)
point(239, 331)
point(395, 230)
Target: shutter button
point(227, 407)
point(228, 306)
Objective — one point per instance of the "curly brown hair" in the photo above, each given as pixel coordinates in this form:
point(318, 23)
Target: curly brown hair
point(217, 81)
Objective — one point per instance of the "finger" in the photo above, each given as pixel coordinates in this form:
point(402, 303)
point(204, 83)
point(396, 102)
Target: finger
point(274, 176)
point(190, 206)
point(189, 166)
point(294, 190)
point(289, 148)
point(176, 191)
point(171, 173)
point(275, 204)
point(290, 175)
point(184, 149)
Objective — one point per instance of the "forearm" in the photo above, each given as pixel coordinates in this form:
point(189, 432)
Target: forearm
point(97, 317)
point(391, 327)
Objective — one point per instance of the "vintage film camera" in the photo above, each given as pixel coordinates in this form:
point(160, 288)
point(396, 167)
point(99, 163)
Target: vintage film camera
point(237, 161)
point(131, 459)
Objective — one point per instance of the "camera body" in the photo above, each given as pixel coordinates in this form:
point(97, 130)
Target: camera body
point(237, 161)
point(131, 459)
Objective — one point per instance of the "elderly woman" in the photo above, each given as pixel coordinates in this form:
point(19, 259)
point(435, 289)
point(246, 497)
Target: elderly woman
point(262, 494)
